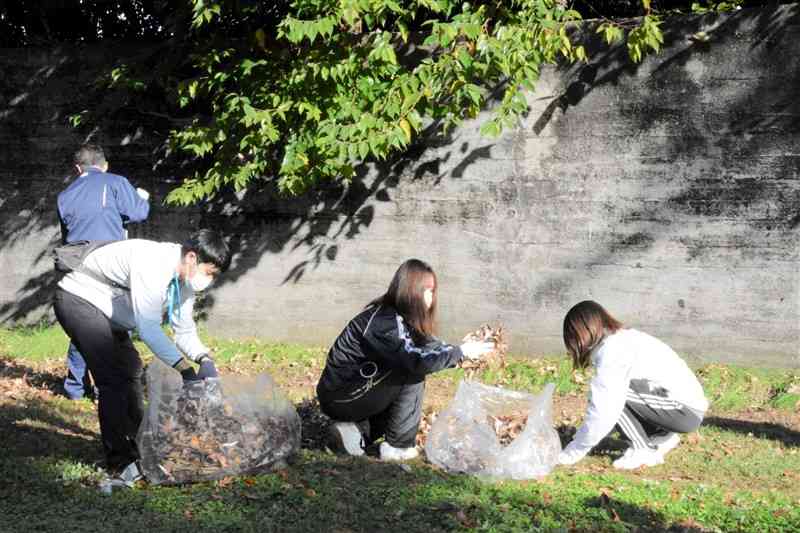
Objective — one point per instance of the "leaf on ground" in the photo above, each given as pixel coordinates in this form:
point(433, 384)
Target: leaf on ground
point(464, 520)
point(605, 501)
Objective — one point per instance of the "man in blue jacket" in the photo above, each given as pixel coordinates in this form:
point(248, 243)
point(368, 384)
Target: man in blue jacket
point(95, 207)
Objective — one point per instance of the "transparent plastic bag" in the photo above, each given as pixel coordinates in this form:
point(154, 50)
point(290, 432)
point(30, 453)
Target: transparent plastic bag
point(214, 428)
point(463, 438)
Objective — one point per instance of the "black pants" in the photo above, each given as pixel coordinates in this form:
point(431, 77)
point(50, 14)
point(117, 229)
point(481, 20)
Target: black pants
point(391, 401)
point(117, 371)
point(649, 411)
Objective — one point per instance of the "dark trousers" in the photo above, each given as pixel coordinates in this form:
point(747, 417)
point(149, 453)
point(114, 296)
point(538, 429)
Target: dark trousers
point(650, 411)
point(390, 401)
point(117, 371)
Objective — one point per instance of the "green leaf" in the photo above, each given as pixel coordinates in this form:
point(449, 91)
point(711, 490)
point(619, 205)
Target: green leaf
point(403, 31)
point(406, 127)
point(490, 129)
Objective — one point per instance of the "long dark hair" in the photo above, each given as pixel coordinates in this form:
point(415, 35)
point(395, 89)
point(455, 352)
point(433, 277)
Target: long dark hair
point(406, 295)
point(585, 326)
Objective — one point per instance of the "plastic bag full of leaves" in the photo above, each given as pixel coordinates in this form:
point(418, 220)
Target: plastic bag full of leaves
point(497, 433)
point(214, 428)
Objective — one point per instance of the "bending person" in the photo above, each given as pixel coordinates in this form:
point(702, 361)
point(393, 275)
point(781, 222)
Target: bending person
point(640, 385)
point(374, 378)
point(128, 285)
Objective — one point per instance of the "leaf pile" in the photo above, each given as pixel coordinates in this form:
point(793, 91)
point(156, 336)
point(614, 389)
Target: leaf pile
point(315, 424)
point(200, 434)
point(496, 358)
point(507, 427)
point(428, 418)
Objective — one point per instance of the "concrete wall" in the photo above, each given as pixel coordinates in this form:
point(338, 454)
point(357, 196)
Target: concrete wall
point(668, 191)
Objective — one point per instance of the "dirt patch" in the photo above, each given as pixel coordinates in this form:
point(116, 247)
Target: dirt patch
point(21, 380)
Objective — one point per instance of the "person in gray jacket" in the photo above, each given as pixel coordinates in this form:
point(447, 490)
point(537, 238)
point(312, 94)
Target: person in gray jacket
point(125, 286)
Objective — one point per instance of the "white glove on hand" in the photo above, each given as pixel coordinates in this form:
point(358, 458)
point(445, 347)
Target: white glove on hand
point(475, 349)
point(568, 458)
point(143, 194)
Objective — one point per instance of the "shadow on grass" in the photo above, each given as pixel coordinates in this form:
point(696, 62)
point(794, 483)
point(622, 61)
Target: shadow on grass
point(39, 379)
point(633, 517)
point(764, 430)
point(320, 493)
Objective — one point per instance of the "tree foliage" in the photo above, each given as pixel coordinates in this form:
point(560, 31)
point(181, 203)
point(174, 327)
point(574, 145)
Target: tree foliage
point(303, 91)
point(43, 22)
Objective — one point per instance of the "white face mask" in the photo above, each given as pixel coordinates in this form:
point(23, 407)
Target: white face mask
point(200, 282)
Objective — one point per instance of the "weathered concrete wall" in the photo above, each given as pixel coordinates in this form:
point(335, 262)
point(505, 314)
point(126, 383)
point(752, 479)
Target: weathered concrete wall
point(668, 191)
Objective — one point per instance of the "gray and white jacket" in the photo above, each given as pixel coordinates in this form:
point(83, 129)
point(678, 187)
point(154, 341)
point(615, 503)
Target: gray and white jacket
point(139, 273)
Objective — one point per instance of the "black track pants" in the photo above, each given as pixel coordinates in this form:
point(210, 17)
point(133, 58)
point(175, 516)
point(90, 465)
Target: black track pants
point(117, 370)
point(649, 411)
point(391, 401)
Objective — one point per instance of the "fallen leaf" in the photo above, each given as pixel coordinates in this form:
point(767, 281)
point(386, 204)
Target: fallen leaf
point(464, 520)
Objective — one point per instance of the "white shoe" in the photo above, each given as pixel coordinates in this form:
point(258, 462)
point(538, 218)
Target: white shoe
point(636, 457)
point(666, 443)
point(346, 437)
point(390, 453)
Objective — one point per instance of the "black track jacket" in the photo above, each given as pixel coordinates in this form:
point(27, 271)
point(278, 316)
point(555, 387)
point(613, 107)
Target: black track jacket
point(379, 335)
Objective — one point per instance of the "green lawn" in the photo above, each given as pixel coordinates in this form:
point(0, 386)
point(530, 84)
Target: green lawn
point(740, 472)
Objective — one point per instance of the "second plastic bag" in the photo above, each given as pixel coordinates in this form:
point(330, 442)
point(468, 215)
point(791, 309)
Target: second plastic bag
point(464, 437)
point(214, 428)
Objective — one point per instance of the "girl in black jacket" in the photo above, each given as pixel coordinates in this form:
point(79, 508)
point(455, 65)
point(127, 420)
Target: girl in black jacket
point(375, 371)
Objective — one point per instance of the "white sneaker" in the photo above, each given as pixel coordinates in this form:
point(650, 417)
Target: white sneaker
point(636, 457)
point(390, 453)
point(666, 443)
point(346, 437)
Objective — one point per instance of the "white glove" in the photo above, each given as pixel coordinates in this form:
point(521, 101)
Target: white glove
point(568, 458)
point(476, 349)
point(143, 194)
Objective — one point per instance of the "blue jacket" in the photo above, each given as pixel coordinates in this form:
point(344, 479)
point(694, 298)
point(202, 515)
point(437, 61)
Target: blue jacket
point(95, 206)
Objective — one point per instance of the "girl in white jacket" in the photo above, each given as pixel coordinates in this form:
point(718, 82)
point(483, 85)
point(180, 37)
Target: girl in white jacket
point(640, 385)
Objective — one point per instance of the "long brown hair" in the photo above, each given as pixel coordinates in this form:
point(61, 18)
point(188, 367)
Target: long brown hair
point(585, 326)
point(406, 295)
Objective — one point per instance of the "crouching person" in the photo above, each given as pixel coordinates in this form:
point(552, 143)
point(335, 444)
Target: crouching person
point(124, 286)
point(374, 378)
point(640, 386)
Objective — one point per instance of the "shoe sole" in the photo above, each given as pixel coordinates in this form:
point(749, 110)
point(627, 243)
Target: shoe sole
point(400, 458)
point(667, 447)
point(343, 443)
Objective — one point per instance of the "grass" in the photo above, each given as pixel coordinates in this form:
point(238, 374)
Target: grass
point(34, 343)
point(740, 472)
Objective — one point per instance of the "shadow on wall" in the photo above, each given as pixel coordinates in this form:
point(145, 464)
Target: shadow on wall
point(730, 160)
point(259, 221)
